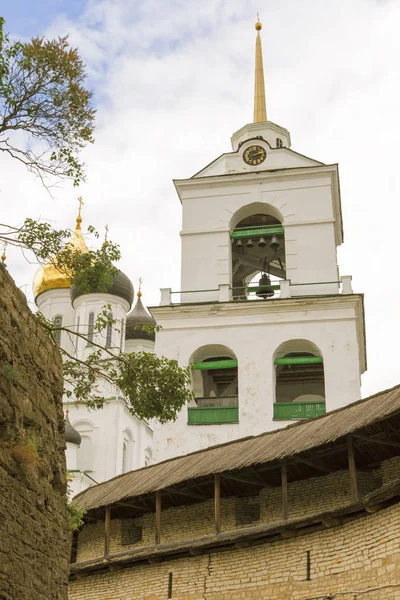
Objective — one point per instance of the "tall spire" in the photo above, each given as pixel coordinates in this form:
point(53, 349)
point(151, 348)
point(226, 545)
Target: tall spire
point(260, 109)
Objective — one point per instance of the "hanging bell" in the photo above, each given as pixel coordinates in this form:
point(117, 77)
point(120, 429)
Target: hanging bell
point(261, 242)
point(250, 243)
point(264, 289)
point(239, 243)
point(274, 244)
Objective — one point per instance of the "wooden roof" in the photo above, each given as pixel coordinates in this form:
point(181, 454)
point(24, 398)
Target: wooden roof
point(299, 438)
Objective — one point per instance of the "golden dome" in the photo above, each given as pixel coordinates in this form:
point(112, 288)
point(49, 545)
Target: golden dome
point(48, 277)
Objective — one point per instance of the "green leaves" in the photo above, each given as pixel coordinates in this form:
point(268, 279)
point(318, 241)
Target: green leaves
point(43, 93)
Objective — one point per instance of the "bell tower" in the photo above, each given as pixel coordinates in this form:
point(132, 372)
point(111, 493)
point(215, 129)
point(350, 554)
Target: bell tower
point(270, 329)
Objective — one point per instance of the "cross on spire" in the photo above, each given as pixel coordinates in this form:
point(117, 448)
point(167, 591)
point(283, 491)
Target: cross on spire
point(260, 109)
point(140, 288)
point(79, 218)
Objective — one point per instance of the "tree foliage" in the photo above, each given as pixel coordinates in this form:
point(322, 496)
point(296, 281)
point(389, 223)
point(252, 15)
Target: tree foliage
point(43, 95)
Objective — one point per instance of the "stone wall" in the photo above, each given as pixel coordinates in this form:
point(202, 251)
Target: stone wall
point(359, 559)
point(34, 534)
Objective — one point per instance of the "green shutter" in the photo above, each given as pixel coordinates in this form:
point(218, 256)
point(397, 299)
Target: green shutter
point(211, 415)
point(216, 364)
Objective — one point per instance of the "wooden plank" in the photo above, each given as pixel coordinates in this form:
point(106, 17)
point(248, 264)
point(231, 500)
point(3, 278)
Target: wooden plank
point(352, 469)
point(158, 517)
point(285, 497)
point(107, 523)
point(217, 503)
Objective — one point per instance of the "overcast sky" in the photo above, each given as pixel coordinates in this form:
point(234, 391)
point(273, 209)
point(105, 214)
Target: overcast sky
point(173, 79)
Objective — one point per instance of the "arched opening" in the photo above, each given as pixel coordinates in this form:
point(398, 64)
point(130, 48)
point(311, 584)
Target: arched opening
point(215, 386)
point(300, 381)
point(279, 143)
point(258, 252)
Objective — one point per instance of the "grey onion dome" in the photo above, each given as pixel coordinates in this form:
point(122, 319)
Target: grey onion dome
point(135, 321)
point(121, 287)
point(71, 435)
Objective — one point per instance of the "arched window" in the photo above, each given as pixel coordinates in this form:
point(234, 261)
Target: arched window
point(148, 456)
point(215, 386)
point(90, 328)
point(109, 330)
point(300, 383)
point(258, 252)
point(127, 449)
point(57, 334)
point(279, 143)
point(85, 454)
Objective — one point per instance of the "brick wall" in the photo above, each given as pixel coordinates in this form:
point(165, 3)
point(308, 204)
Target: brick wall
point(34, 535)
point(306, 498)
point(361, 555)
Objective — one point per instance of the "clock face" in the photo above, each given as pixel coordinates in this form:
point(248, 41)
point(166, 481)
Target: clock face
point(254, 155)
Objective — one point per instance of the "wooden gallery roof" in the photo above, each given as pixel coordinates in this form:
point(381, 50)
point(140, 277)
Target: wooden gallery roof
point(308, 448)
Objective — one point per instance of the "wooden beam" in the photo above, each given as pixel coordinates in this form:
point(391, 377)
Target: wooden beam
point(312, 463)
point(352, 469)
point(188, 494)
point(377, 440)
point(285, 501)
point(217, 503)
point(107, 523)
point(158, 517)
point(241, 479)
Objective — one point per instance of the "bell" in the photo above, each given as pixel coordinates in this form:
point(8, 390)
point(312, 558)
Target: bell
point(274, 244)
point(261, 242)
point(239, 243)
point(250, 243)
point(264, 287)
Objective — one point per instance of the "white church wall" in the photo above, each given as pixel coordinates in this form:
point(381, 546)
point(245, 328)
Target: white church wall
point(254, 338)
point(57, 302)
point(306, 206)
point(95, 303)
point(108, 429)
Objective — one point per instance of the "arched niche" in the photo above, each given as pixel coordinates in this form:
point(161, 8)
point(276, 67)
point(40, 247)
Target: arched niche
point(258, 251)
point(215, 376)
point(299, 380)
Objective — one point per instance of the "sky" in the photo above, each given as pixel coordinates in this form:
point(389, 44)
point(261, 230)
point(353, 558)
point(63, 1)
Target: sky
point(173, 79)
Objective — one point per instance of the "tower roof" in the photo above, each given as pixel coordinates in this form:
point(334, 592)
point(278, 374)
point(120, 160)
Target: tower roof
point(48, 277)
point(137, 321)
point(260, 108)
point(71, 435)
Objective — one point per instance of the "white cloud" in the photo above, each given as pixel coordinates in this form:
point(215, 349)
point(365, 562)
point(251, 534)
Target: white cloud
point(174, 79)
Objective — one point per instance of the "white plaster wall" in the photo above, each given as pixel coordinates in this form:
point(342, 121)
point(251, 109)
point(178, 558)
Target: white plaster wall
point(96, 303)
point(138, 345)
point(254, 338)
point(306, 208)
point(107, 428)
point(58, 302)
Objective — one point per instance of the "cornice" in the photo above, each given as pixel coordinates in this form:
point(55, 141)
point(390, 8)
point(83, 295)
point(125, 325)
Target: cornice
point(257, 307)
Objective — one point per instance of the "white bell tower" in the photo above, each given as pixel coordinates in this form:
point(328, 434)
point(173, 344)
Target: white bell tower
point(271, 330)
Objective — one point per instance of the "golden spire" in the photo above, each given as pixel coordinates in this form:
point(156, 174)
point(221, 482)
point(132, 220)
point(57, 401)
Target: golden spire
point(260, 109)
point(139, 294)
point(79, 218)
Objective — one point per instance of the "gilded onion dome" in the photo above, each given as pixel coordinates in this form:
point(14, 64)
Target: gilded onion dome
point(137, 319)
point(48, 277)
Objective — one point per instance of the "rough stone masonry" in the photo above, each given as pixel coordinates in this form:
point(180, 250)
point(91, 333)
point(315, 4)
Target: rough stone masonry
point(34, 535)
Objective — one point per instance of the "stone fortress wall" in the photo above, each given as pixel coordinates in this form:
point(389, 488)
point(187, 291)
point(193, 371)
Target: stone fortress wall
point(359, 555)
point(34, 533)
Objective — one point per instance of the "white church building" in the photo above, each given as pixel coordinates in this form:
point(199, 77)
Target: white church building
point(271, 329)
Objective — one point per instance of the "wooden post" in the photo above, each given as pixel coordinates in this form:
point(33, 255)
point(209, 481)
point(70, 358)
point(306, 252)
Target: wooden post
point(352, 469)
point(107, 531)
point(217, 503)
point(158, 517)
point(285, 503)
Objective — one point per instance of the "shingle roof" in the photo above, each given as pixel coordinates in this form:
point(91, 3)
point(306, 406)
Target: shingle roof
point(260, 449)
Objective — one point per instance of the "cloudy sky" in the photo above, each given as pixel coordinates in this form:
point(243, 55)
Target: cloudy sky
point(173, 79)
